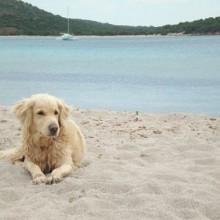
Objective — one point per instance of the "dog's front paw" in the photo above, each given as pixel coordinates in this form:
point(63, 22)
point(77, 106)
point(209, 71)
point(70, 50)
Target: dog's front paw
point(39, 179)
point(54, 178)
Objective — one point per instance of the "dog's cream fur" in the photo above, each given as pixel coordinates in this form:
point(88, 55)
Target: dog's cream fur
point(43, 153)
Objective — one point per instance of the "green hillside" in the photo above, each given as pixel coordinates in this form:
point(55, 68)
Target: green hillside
point(19, 18)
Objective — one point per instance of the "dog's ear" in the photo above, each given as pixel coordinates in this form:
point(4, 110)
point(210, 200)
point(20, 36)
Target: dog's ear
point(64, 110)
point(21, 109)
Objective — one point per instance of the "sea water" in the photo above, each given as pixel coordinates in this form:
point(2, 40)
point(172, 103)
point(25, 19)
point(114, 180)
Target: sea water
point(149, 74)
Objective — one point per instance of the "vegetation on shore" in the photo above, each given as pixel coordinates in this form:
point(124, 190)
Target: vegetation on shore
point(20, 18)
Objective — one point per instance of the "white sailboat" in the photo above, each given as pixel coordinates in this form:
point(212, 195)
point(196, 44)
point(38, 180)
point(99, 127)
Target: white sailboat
point(67, 36)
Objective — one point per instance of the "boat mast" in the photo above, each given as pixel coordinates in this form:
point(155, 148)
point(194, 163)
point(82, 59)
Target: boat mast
point(68, 22)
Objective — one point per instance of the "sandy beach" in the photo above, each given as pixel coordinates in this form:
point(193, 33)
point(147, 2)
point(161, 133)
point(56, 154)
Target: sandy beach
point(150, 166)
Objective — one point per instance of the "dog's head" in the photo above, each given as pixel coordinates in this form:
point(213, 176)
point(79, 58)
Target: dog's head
point(42, 114)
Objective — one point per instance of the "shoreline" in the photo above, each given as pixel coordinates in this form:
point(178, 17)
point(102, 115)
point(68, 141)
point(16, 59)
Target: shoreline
point(111, 36)
point(102, 110)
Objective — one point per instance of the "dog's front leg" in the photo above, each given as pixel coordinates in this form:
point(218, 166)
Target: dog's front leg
point(35, 171)
point(60, 172)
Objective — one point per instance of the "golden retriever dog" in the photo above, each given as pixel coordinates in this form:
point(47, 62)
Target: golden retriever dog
point(52, 144)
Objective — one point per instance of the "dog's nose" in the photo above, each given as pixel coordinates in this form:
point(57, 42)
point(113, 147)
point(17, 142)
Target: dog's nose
point(53, 129)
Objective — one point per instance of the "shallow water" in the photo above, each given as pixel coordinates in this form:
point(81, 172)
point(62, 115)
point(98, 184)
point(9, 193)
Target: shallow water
point(151, 74)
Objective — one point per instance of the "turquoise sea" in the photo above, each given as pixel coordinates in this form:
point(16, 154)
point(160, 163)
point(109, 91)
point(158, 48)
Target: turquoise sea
point(150, 74)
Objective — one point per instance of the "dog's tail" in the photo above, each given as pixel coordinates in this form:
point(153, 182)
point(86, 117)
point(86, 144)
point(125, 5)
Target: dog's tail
point(13, 154)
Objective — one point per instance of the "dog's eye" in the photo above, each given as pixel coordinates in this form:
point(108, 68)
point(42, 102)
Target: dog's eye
point(55, 112)
point(40, 113)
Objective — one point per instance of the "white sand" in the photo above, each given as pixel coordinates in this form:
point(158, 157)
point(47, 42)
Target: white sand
point(163, 166)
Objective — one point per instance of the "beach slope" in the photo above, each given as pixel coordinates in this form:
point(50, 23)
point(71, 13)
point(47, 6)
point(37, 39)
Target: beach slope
point(145, 166)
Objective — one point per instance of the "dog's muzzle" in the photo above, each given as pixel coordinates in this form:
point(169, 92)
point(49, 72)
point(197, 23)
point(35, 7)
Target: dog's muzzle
point(53, 128)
